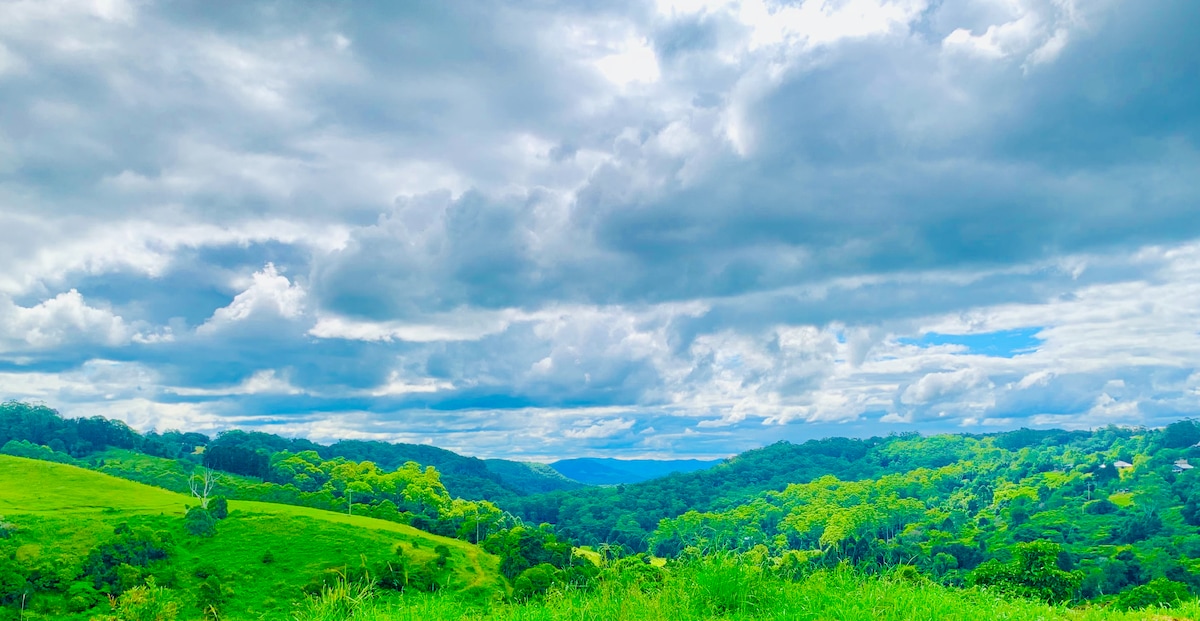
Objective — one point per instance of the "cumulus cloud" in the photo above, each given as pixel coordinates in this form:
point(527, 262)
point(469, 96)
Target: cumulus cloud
point(638, 227)
point(65, 319)
point(268, 297)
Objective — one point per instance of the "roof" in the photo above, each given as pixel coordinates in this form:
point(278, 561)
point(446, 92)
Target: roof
point(1122, 464)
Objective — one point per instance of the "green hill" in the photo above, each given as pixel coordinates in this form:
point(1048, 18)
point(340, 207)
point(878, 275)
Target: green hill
point(58, 518)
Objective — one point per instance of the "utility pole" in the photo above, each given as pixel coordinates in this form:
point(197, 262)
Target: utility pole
point(349, 501)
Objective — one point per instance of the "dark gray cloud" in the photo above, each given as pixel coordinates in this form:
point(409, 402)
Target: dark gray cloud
point(627, 228)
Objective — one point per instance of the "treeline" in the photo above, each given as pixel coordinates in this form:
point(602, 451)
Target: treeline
point(28, 429)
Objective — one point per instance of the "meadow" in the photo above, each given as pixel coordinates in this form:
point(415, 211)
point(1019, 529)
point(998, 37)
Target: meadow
point(728, 588)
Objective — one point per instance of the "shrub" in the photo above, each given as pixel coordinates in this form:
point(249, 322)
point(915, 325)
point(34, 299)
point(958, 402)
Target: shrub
point(1032, 573)
point(82, 596)
point(212, 596)
point(535, 581)
point(1102, 506)
point(144, 603)
point(200, 523)
point(1159, 592)
point(219, 507)
point(133, 547)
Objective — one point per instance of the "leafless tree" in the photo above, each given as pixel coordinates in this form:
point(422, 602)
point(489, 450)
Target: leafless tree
point(201, 482)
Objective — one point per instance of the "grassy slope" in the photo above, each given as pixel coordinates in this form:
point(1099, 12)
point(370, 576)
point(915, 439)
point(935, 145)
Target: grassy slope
point(63, 511)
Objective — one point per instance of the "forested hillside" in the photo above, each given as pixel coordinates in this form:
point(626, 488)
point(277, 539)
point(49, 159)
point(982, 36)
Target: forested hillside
point(1111, 515)
point(28, 427)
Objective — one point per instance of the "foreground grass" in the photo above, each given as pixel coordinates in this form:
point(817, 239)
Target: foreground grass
point(718, 591)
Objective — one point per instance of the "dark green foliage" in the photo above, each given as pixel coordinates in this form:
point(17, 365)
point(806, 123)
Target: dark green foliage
point(1032, 573)
point(218, 506)
point(200, 522)
point(13, 582)
point(42, 426)
point(522, 547)
point(238, 460)
point(1158, 592)
point(1182, 434)
point(25, 448)
point(534, 581)
point(1102, 506)
point(114, 563)
point(82, 596)
point(443, 555)
point(1191, 510)
point(211, 597)
point(1136, 527)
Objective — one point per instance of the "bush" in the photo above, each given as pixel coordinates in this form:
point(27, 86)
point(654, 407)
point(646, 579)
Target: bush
point(82, 596)
point(535, 581)
point(145, 603)
point(1102, 506)
point(1159, 592)
point(212, 596)
point(200, 523)
point(1033, 573)
point(219, 507)
point(130, 547)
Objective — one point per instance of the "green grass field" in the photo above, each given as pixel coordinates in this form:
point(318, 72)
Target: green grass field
point(62, 511)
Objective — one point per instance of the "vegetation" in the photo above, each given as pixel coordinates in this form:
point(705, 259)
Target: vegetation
point(1038, 524)
point(39, 432)
point(732, 588)
point(81, 537)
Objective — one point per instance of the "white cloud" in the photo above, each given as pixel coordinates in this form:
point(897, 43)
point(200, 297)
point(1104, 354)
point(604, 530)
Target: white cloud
point(63, 319)
point(270, 295)
point(600, 429)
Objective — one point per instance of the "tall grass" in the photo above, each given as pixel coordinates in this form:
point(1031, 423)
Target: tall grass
point(724, 588)
point(338, 601)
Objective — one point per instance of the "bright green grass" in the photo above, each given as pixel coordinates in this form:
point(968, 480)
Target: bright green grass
point(694, 595)
point(63, 511)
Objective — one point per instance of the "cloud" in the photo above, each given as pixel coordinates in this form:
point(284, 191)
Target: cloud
point(61, 320)
point(600, 429)
point(619, 228)
point(269, 296)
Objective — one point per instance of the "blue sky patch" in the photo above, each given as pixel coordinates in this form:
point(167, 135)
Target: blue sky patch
point(1001, 344)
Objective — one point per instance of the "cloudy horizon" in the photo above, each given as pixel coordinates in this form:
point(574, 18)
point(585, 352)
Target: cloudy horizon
point(665, 228)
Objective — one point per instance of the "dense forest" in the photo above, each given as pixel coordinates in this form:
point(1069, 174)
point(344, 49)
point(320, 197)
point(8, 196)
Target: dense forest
point(1110, 515)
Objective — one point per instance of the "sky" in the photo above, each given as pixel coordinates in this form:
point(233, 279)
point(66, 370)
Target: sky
point(665, 228)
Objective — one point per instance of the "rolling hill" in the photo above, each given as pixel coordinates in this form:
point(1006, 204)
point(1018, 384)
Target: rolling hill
point(58, 516)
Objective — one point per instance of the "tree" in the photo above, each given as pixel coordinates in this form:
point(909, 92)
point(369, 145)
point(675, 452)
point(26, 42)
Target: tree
point(201, 483)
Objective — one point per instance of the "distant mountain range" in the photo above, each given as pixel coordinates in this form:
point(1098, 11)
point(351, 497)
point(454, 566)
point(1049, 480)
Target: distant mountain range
point(607, 471)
